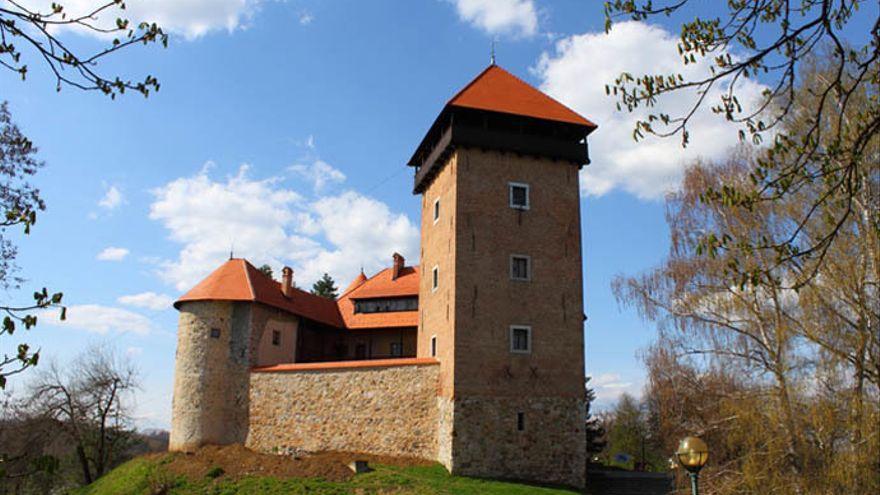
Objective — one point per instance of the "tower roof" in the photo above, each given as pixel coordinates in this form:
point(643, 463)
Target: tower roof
point(381, 285)
point(497, 90)
point(238, 280)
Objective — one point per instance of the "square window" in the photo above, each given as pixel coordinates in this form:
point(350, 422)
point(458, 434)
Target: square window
point(276, 337)
point(520, 267)
point(435, 278)
point(436, 210)
point(215, 333)
point(396, 349)
point(521, 339)
point(519, 195)
point(433, 346)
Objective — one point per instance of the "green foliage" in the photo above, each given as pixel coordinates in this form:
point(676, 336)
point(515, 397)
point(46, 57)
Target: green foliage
point(824, 129)
point(326, 287)
point(146, 476)
point(215, 472)
point(36, 29)
point(267, 271)
point(594, 430)
point(19, 204)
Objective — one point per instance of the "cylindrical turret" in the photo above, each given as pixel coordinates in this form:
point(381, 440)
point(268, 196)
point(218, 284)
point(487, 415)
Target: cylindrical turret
point(211, 373)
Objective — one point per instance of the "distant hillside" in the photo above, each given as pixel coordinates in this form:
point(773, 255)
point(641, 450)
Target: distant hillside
point(235, 470)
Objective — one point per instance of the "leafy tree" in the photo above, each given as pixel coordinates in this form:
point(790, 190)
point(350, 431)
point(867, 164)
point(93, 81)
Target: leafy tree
point(326, 287)
point(38, 30)
point(840, 111)
point(20, 202)
point(267, 270)
point(595, 431)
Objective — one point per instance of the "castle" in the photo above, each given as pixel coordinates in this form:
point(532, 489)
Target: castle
point(474, 358)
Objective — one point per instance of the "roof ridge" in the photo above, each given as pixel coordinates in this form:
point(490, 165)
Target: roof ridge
point(473, 81)
point(247, 275)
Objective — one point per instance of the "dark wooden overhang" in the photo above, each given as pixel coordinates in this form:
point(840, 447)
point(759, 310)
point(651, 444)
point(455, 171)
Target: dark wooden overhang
point(468, 127)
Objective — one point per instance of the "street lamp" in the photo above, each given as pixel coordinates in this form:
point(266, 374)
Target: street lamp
point(692, 454)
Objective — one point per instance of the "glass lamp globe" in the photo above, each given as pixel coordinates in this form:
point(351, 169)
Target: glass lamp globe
point(692, 453)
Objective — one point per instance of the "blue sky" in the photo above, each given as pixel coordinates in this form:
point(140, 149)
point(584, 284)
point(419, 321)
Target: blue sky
point(283, 128)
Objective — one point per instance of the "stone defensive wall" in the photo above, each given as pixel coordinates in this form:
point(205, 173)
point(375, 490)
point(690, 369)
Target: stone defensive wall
point(384, 407)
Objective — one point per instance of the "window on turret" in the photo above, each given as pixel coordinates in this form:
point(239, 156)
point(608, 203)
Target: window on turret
point(520, 339)
point(215, 333)
point(436, 210)
point(520, 421)
point(520, 267)
point(435, 278)
point(276, 337)
point(518, 195)
point(433, 346)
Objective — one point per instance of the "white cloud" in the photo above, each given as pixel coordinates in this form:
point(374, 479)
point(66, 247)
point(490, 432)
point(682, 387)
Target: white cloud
point(112, 198)
point(189, 18)
point(500, 17)
point(112, 254)
point(149, 300)
point(269, 223)
point(132, 352)
point(99, 319)
point(306, 18)
point(319, 173)
point(576, 73)
point(610, 386)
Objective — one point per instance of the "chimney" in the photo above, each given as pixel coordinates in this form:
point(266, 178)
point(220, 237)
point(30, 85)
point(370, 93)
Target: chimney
point(397, 267)
point(287, 281)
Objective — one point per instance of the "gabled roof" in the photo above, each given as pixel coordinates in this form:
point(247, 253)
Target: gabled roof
point(238, 280)
point(381, 285)
point(497, 90)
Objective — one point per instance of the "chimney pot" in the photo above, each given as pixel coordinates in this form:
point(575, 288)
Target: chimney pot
point(397, 267)
point(287, 281)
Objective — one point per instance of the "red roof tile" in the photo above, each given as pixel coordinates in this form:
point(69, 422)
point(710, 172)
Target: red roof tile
point(382, 285)
point(497, 90)
point(238, 280)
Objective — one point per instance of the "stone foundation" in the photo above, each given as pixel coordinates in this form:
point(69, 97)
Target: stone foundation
point(551, 448)
point(371, 408)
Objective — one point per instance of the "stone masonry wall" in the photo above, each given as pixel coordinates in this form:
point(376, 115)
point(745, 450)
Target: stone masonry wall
point(550, 448)
point(376, 410)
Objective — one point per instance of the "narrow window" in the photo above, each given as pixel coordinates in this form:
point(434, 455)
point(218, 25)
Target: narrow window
point(396, 349)
point(520, 339)
point(436, 210)
point(433, 346)
point(520, 421)
point(215, 333)
point(435, 278)
point(520, 267)
point(276, 337)
point(519, 195)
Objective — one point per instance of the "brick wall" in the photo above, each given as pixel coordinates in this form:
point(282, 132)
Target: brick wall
point(386, 410)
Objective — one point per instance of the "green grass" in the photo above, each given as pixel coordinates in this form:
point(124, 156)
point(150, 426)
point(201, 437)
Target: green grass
point(143, 476)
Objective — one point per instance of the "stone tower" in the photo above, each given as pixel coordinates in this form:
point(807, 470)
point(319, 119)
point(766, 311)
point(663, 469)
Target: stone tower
point(500, 299)
point(220, 329)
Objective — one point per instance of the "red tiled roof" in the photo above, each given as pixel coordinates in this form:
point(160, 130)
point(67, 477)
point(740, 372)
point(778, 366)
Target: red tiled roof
point(497, 90)
point(361, 278)
point(238, 280)
point(382, 285)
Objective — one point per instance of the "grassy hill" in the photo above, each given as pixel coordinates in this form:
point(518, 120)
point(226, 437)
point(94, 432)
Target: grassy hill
point(178, 474)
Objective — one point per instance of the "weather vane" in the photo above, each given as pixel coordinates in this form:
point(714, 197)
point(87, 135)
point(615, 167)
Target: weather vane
point(492, 56)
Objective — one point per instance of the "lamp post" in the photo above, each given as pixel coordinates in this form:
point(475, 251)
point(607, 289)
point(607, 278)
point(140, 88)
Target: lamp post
point(692, 454)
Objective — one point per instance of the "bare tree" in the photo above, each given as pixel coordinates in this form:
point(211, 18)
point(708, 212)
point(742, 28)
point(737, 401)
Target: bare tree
point(89, 399)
